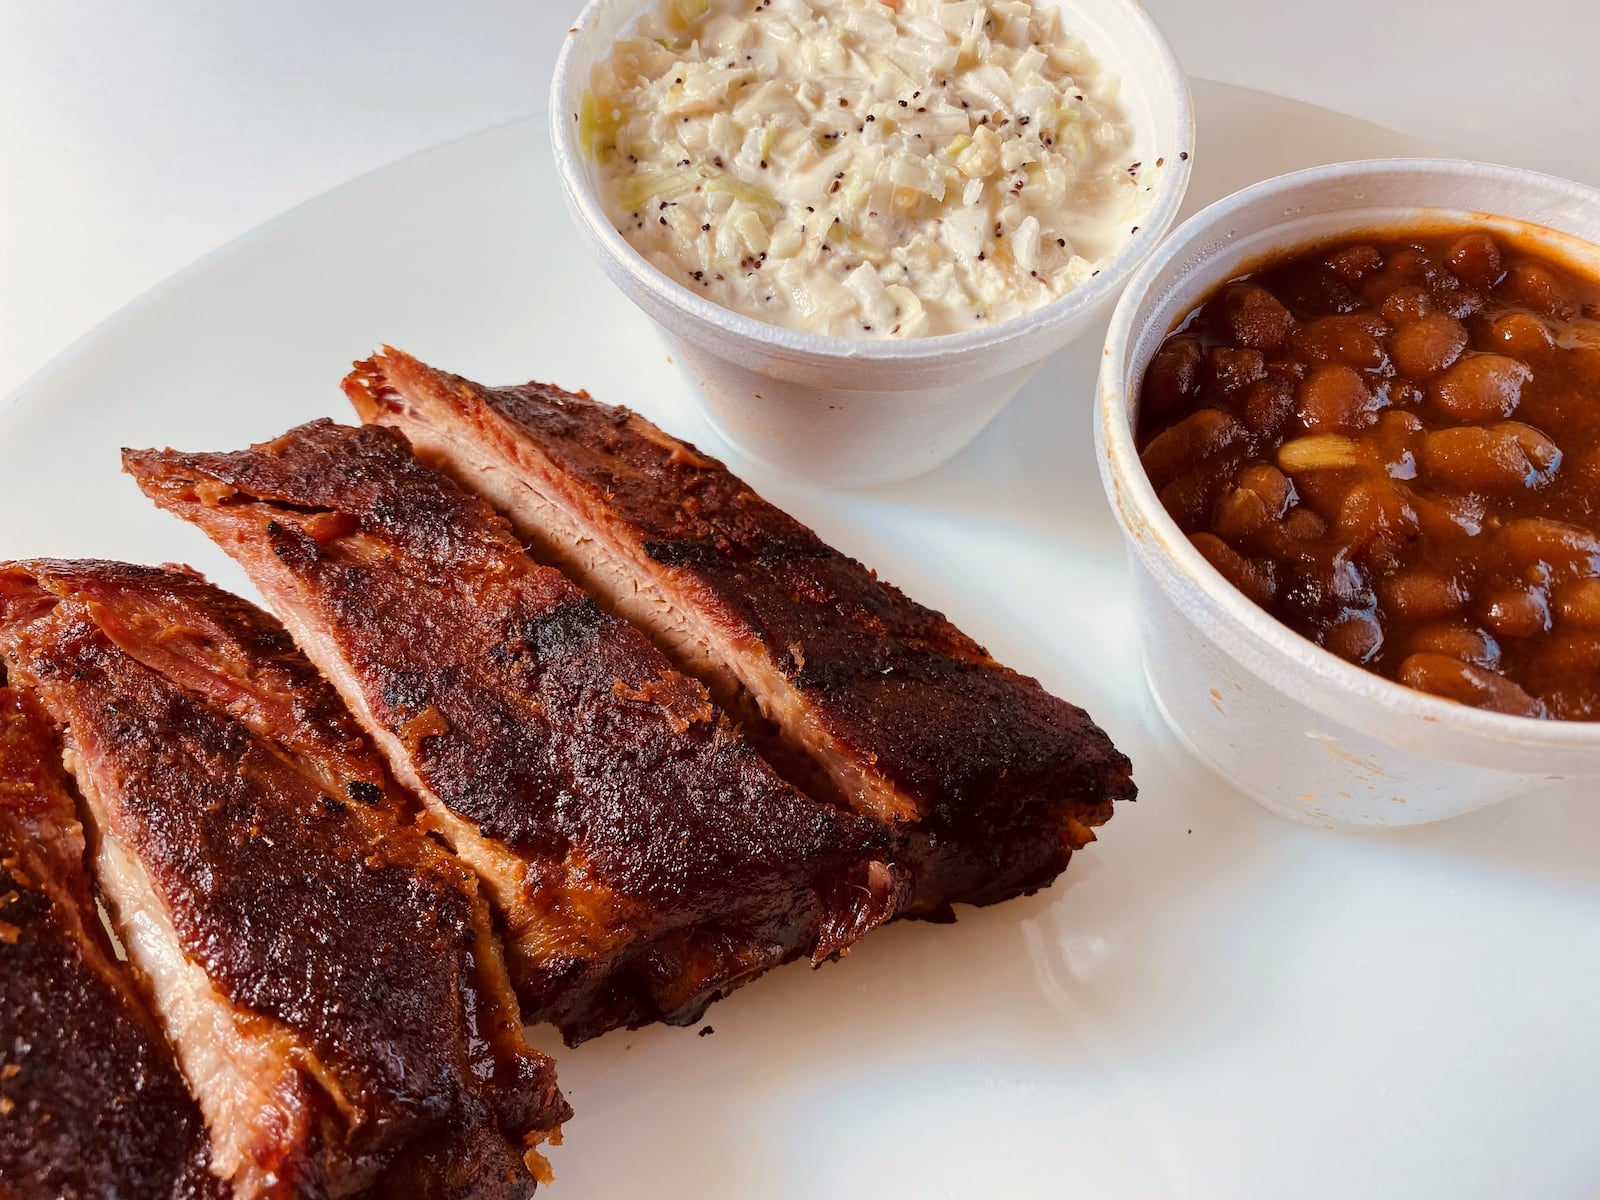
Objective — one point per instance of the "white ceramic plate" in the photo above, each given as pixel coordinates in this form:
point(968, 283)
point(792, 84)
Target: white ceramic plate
point(1212, 1002)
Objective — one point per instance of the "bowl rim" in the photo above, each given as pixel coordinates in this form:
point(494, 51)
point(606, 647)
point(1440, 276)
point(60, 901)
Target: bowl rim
point(1158, 220)
point(1126, 483)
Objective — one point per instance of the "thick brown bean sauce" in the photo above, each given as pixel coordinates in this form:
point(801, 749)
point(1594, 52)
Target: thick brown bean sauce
point(1392, 444)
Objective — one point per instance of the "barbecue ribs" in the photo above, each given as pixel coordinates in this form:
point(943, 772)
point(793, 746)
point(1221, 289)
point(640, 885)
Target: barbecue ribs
point(326, 973)
point(645, 859)
point(858, 693)
point(91, 1101)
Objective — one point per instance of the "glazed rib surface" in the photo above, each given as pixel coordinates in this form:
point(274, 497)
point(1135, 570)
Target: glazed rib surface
point(864, 695)
point(91, 1100)
point(327, 974)
point(644, 857)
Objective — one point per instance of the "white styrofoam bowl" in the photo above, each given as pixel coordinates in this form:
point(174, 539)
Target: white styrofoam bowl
point(1307, 734)
point(848, 412)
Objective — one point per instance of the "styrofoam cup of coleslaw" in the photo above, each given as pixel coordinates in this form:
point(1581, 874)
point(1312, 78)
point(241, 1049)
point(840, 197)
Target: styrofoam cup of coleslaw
point(851, 413)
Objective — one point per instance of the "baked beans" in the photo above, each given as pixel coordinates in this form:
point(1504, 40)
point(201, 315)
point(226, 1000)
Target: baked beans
point(1392, 444)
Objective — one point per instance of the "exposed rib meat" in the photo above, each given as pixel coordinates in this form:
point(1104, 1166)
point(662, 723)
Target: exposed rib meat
point(327, 974)
point(645, 858)
point(989, 781)
point(91, 1101)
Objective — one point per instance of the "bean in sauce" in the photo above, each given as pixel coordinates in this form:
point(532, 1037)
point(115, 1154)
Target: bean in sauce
point(1392, 444)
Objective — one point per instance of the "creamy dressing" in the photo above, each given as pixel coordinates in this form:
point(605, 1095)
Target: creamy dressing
point(861, 168)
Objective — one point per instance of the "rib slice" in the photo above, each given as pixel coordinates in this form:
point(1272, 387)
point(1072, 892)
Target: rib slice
point(326, 973)
point(857, 691)
point(91, 1101)
point(645, 859)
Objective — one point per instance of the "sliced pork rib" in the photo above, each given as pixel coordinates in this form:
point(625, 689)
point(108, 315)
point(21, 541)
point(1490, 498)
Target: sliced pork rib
point(91, 1101)
point(645, 859)
point(327, 974)
point(989, 782)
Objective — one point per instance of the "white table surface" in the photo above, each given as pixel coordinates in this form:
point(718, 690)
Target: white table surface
point(134, 138)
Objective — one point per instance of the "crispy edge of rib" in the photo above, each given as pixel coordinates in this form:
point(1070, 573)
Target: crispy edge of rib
point(41, 823)
point(41, 818)
point(277, 1154)
point(226, 1060)
point(222, 1048)
point(397, 390)
point(216, 1066)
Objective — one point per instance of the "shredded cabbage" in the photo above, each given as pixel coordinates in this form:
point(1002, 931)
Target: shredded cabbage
point(681, 14)
point(747, 194)
point(865, 169)
point(645, 188)
point(597, 128)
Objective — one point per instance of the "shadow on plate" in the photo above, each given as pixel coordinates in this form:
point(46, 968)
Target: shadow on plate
point(1548, 837)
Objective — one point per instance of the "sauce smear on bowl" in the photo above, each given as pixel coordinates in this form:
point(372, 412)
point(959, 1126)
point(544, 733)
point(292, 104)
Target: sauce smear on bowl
point(1392, 444)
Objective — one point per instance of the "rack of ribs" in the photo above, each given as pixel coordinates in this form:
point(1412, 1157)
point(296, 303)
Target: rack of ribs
point(91, 1102)
point(644, 858)
point(858, 693)
point(326, 973)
